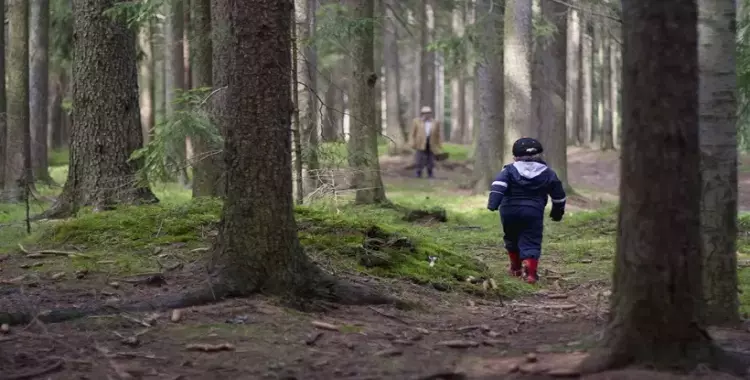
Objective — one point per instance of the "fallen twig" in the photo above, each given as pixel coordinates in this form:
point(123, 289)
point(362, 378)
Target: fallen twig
point(325, 326)
point(136, 320)
point(210, 347)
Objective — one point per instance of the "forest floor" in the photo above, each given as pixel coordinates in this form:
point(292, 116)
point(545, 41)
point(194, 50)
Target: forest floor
point(454, 327)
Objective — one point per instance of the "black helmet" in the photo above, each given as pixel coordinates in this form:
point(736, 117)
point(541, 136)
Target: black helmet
point(526, 146)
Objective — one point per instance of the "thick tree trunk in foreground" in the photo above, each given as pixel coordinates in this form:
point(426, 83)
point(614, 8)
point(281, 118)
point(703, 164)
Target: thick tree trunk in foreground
point(258, 248)
point(18, 173)
point(39, 88)
point(221, 37)
point(517, 65)
point(207, 165)
point(363, 143)
point(107, 124)
point(655, 317)
point(718, 133)
point(490, 141)
point(548, 92)
point(394, 128)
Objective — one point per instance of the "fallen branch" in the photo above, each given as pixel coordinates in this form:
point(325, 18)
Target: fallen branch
point(210, 347)
point(54, 366)
point(390, 316)
point(52, 252)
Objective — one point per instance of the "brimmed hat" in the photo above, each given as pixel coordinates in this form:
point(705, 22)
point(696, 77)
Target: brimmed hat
point(426, 109)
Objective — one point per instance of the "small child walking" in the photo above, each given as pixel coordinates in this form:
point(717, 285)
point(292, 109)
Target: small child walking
point(520, 191)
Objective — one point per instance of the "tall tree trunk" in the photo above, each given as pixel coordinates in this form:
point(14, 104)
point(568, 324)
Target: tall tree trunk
point(470, 83)
point(490, 141)
point(146, 80)
point(208, 166)
point(18, 174)
point(39, 87)
point(614, 89)
point(517, 65)
point(258, 248)
point(107, 122)
point(607, 137)
point(548, 90)
point(718, 134)
point(655, 307)
point(573, 77)
point(187, 35)
point(586, 109)
point(3, 108)
point(174, 80)
point(427, 57)
point(393, 122)
point(307, 83)
point(363, 144)
point(55, 111)
point(458, 84)
point(332, 109)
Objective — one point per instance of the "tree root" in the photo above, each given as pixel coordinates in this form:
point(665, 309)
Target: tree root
point(710, 356)
point(53, 366)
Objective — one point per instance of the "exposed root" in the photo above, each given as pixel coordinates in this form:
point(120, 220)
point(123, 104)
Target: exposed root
point(54, 365)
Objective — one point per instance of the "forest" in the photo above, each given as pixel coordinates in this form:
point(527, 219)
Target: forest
point(236, 189)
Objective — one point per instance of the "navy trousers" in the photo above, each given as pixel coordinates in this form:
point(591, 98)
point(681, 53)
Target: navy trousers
point(425, 159)
point(523, 228)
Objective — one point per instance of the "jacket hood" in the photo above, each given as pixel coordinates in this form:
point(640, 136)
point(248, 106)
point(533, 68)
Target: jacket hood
point(529, 174)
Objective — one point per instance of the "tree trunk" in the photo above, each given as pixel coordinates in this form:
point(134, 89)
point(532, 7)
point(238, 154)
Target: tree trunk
point(393, 122)
point(517, 65)
point(39, 87)
point(146, 80)
point(548, 91)
point(614, 90)
point(470, 83)
point(18, 171)
point(607, 129)
point(307, 82)
point(207, 165)
point(573, 78)
point(718, 133)
point(489, 79)
point(458, 84)
point(187, 35)
point(363, 144)
point(587, 101)
point(657, 290)
point(427, 58)
point(107, 121)
point(333, 109)
point(174, 80)
point(56, 115)
point(3, 108)
point(258, 249)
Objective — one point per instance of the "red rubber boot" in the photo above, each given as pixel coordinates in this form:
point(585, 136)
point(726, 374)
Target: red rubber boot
point(515, 264)
point(530, 275)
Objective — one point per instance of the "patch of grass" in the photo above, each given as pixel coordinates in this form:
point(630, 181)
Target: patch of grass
point(58, 157)
point(334, 155)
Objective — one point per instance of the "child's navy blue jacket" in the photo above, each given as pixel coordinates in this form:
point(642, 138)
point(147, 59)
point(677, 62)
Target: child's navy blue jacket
point(527, 183)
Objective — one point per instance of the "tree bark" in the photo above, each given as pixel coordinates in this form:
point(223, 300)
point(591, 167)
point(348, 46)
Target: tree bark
point(38, 88)
point(174, 80)
point(615, 72)
point(427, 58)
point(586, 131)
point(657, 284)
point(107, 122)
point(18, 170)
point(573, 78)
point(718, 134)
point(458, 84)
point(517, 65)
point(307, 82)
point(331, 130)
point(3, 108)
point(258, 249)
point(393, 122)
point(607, 129)
point(363, 144)
point(490, 141)
point(548, 90)
point(207, 165)
point(146, 80)
point(57, 116)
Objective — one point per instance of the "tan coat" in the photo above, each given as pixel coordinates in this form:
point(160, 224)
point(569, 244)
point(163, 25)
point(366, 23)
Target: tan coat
point(418, 136)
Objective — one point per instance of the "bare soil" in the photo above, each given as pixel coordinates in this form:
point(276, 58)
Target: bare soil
point(257, 338)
